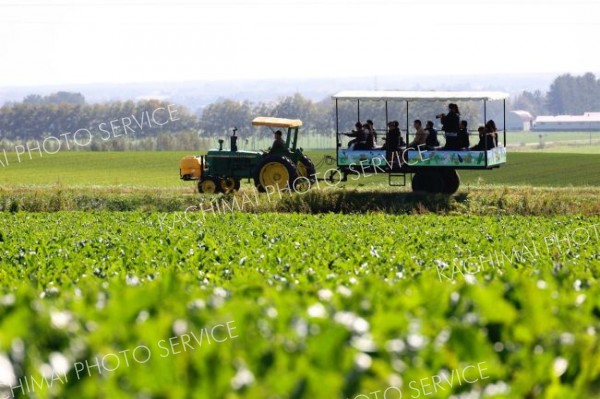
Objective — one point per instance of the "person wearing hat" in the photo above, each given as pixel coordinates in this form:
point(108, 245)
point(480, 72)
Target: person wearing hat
point(278, 143)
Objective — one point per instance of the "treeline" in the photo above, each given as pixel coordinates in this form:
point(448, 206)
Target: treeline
point(220, 117)
point(568, 95)
point(38, 117)
point(319, 116)
point(65, 113)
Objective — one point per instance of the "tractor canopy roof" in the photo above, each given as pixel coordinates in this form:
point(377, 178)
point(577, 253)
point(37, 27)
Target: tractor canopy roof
point(390, 95)
point(276, 122)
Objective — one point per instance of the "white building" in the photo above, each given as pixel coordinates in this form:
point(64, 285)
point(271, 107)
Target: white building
point(566, 123)
point(519, 121)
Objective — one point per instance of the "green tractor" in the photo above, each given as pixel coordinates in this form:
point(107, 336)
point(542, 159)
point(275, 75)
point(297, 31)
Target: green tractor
point(280, 168)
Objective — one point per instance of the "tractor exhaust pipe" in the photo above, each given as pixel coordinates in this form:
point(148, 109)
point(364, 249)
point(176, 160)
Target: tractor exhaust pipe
point(234, 140)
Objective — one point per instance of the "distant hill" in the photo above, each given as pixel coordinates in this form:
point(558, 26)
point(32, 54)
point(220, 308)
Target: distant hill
point(197, 94)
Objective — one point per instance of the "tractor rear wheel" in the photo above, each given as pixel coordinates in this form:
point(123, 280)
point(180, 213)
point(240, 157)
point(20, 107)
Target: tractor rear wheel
point(429, 181)
point(229, 184)
point(275, 171)
point(451, 181)
point(306, 168)
point(209, 185)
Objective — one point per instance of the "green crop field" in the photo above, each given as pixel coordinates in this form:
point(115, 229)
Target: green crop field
point(109, 290)
point(330, 306)
point(278, 274)
point(160, 169)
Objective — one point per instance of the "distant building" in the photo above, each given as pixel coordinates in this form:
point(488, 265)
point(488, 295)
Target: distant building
point(519, 121)
point(568, 123)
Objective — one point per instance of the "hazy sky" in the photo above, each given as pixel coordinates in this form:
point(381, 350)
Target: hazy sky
point(85, 41)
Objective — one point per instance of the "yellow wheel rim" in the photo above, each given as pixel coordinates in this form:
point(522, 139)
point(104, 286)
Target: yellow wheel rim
point(302, 171)
point(274, 174)
point(209, 187)
point(227, 184)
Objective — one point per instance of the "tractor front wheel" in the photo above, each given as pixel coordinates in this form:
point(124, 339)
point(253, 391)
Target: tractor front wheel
point(229, 184)
point(209, 185)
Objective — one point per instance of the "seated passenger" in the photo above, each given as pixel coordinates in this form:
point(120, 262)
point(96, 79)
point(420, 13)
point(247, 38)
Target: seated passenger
point(370, 133)
point(393, 138)
point(463, 136)
point(480, 146)
point(393, 141)
point(420, 136)
point(458, 141)
point(401, 143)
point(491, 134)
point(486, 141)
point(359, 134)
point(278, 143)
point(372, 129)
point(432, 141)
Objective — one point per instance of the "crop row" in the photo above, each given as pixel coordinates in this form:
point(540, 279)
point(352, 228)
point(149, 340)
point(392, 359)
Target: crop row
point(323, 306)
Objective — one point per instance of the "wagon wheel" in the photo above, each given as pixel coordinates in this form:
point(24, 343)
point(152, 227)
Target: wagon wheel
point(428, 182)
point(451, 181)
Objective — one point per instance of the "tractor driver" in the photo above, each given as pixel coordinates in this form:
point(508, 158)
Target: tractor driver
point(278, 143)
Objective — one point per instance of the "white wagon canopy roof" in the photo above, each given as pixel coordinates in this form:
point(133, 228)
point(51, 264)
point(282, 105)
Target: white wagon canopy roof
point(400, 95)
